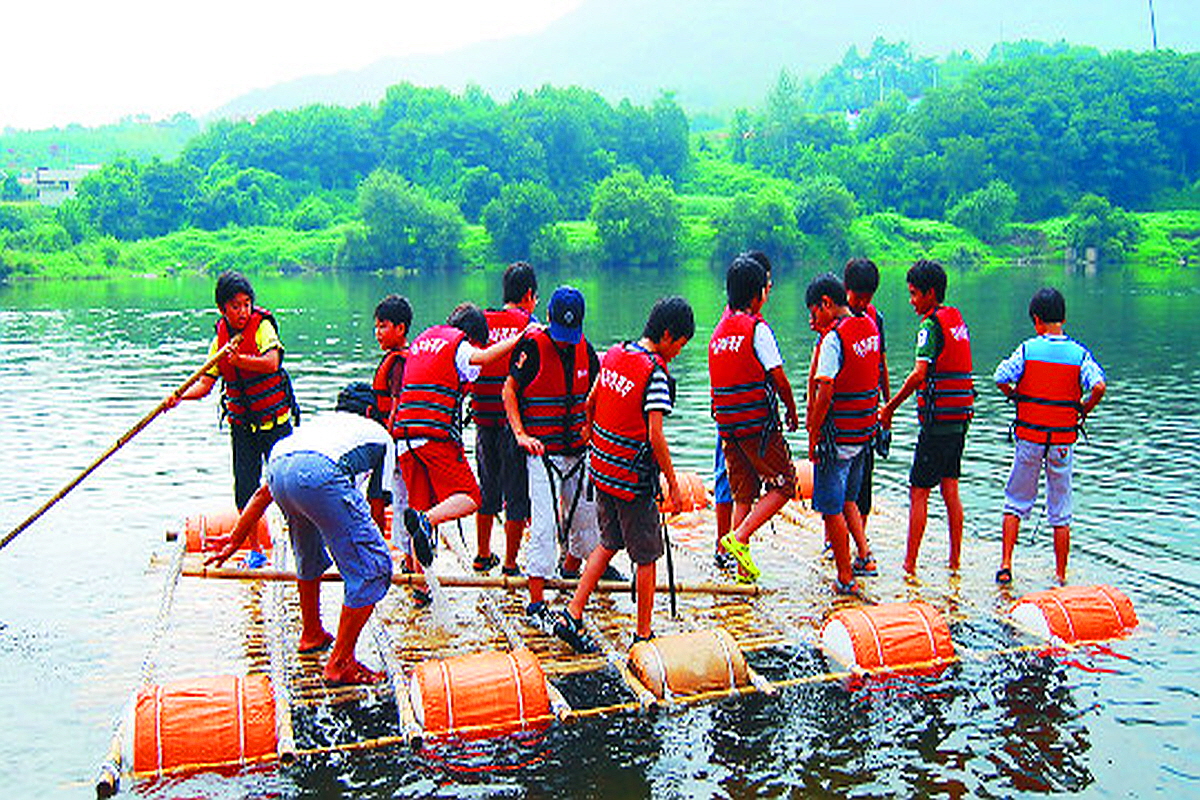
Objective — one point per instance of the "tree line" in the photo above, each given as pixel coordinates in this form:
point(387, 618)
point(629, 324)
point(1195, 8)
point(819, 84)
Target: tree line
point(1038, 131)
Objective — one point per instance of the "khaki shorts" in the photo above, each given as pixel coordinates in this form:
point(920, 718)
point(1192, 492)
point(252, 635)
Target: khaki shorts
point(750, 469)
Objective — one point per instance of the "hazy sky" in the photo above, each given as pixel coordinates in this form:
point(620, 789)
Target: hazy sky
point(95, 61)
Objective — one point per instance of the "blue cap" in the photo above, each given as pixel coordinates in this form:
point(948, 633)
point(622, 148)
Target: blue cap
point(566, 315)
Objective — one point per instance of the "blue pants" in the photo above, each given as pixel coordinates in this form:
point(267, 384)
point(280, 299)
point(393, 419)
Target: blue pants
point(326, 516)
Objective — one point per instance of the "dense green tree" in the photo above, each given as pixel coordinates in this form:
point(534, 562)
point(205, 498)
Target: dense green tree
point(242, 197)
point(763, 220)
point(111, 199)
point(406, 227)
point(476, 187)
point(824, 207)
point(637, 221)
point(517, 216)
point(312, 214)
point(1097, 223)
point(168, 191)
point(985, 212)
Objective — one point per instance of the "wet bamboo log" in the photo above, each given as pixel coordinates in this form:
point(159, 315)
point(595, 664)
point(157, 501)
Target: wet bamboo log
point(480, 581)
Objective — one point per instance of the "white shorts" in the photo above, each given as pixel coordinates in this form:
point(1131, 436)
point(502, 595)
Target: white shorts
point(584, 533)
point(1022, 488)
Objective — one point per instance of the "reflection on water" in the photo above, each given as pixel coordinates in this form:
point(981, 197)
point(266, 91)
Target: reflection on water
point(82, 362)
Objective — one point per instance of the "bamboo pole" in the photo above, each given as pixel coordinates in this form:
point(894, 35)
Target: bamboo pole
point(478, 581)
point(117, 445)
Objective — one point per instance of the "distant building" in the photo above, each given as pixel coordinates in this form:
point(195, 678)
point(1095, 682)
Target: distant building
point(54, 186)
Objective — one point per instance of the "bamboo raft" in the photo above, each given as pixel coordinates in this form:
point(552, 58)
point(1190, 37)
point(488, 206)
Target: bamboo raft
point(784, 612)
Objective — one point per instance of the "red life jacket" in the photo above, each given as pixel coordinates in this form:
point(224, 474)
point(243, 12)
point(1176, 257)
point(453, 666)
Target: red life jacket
point(553, 407)
point(252, 398)
point(948, 392)
point(622, 463)
point(743, 403)
point(1048, 396)
point(429, 403)
point(381, 384)
point(487, 406)
point(855, 409)
point(872, 313)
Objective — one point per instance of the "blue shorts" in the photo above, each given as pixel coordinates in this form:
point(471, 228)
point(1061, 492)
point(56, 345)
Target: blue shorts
point(836, 482)
point(721, 490)
point(1022, 488)
point(327, 515)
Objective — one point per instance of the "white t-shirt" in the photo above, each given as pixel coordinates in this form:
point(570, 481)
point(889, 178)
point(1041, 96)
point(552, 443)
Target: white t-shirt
point(358, 445)
point(766, 348)
point(829, 364)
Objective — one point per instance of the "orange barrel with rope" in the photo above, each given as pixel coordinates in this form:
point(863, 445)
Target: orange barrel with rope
point(1072, 614)
point(691, 486)
point(480, 695)
point(210, 531)
point(804, 478)
point(199, 723)
point(690, 663)
point(888, 636)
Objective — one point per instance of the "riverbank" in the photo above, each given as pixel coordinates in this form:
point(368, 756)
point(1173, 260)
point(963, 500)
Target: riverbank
point(40, 249)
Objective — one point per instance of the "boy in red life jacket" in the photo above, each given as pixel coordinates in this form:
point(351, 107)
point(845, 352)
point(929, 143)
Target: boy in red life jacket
point(842, 420)
point(746, 373)
point(545, 399)
point(393, 318)
point(628, 450)
point(256, 391)
point(861, 278)
point(503, 478)
point(427, 423)
point(1055, 383)
point(942, 373)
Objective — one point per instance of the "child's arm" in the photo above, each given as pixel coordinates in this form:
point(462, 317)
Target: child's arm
point(267, 362)
point(512, 411)
point(662, 454)
point(822, 400)
point(1093, 399)
point(915, 378)
point(486, 355)
point(197, 390)
point(249, 518)
point(784, 388)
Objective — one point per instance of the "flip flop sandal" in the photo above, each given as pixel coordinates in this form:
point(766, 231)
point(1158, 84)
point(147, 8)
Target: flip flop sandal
point(325, 644)
point(865, 567)
point(846, 589)
point(741, 553)
point(359, 676)
point(485, 563)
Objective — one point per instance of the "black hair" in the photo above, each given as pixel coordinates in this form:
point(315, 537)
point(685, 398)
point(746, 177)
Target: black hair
point(396, 310)
point(469, 318)
point(356, 398)
point(229, 285)
point(670, 314)
point(519, 279)
point(827, 285)
point(861, 275)
point(744, 281)
point(925, 275)
point(1048, 305)
point(761, 258)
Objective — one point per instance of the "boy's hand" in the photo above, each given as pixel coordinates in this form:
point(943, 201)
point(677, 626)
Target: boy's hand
point(792, 419)
point(674, 498)
point(885, 416)
point(530, 444)
point(219, 558)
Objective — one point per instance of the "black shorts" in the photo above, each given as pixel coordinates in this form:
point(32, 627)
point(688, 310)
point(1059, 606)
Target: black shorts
point(630, 525)
point(863, 501)
point(937, 458)
point(503, 474)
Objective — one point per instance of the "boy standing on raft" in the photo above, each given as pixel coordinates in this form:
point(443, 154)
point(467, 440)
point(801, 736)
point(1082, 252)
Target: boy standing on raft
point(861, 278)
point(842, 421)
point(427, 424)
point(393, 318)
point(628, 450)
point(503, 479)
point(1055, 384)
point(316, 477)
point(745, 369)
point(942, 373)
point(545, 399)
point(257, 394)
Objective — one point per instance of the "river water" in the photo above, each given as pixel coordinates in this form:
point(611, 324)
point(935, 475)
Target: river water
point(81, 362)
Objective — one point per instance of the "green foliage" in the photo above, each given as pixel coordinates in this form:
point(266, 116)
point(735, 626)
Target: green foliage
point(1097, 223)
point(637, 221)
point(517, 216)
point(243, 197)
point(406, 227)
point(985, 212)
point(824, 207)
point(312, 214)
point(112, 197)
point(476, 187)
point(10, 188)
point(134, 137)
point(763, 220)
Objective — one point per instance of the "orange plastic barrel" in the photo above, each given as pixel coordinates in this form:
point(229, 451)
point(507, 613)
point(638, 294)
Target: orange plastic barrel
point(1074, 614)
point(209, 532)
point(202, 722)
point(690, 663)
point(804, 478)
point(691, 486)
point(887, 636)
point(481, 694)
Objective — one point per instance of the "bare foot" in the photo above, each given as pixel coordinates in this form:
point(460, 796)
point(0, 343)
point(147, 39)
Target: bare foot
point(351, 674)
point(318, 645)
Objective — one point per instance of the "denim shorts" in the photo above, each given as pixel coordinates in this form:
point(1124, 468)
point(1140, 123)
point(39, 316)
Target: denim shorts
point(836, 482)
